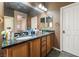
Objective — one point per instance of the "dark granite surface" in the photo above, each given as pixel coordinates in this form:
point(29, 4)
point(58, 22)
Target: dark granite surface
point(16, 41)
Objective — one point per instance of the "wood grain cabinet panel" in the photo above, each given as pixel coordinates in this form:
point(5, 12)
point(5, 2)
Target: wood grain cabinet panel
point(43, 46)
point(43, 53)
point(52, 40)
point(20, 50)
point(35, 48)
point(7, 52)
point(48, 44)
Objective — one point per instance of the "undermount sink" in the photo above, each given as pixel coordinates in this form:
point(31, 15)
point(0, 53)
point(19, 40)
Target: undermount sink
point(24, 38)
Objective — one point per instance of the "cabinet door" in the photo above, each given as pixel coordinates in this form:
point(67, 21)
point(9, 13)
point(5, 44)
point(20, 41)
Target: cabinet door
point(43, 46)
point(35, 48)
point(48, 43)
point(52, 39)
point(43, 51)
point(7, 52)
point(21, 50)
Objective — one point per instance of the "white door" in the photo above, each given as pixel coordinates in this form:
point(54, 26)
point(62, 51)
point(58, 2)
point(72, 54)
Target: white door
point(70, 28)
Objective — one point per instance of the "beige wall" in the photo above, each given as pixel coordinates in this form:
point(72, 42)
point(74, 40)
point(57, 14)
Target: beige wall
point(1, 16)
point(1, 9)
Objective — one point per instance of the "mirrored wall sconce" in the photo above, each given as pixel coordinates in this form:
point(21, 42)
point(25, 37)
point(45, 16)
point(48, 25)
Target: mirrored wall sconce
point(42, 7)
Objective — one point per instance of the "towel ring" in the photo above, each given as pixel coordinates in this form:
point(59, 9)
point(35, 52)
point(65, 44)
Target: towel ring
point(1, 20)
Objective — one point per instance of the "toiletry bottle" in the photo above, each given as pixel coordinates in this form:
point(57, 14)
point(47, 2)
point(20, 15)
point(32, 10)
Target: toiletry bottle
point(7, 38)
point(3, 40)
point(12, 37)
point(3, 33)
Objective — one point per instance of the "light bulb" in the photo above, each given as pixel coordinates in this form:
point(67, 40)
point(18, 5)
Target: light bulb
point(45, 9)
point(40, 6)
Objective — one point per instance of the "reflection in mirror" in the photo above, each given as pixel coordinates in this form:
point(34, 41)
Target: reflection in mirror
point(46, 22)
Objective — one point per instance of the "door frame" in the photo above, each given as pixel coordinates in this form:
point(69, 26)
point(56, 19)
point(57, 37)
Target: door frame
point(61, 23)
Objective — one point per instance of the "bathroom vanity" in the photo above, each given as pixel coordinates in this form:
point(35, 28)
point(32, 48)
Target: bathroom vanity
point(30, 46)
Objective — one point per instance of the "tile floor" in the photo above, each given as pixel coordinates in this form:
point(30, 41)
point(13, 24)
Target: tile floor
point(55, 53)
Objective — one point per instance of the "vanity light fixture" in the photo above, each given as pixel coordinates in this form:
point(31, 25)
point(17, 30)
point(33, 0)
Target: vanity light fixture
point(42, 7)
point(45, 9)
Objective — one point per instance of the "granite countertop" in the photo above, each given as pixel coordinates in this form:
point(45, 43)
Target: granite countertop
point(25, 39)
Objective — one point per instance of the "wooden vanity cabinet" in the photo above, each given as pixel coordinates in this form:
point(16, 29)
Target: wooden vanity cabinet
point(35, 48)
point(21, 50)
point(52, 39)
point(7, 52)
point(38, 47)
point(49, 43)
point(43, 46)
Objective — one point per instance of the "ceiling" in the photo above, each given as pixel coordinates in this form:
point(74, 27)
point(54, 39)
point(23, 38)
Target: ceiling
point(30, 7)
point(57, 5)
point(51, 5)
point(22, 7)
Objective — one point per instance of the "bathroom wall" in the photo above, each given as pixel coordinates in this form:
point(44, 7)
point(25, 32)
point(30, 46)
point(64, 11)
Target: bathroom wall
point(1, 19)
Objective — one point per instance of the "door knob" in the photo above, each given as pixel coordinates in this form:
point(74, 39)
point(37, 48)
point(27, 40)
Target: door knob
point(63, 31)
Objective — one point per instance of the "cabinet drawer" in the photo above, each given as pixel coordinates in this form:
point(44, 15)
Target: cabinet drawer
point(44, 43)
point(43, 38)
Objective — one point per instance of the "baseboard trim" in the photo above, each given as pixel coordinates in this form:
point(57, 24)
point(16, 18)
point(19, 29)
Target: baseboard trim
point(57, 49)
